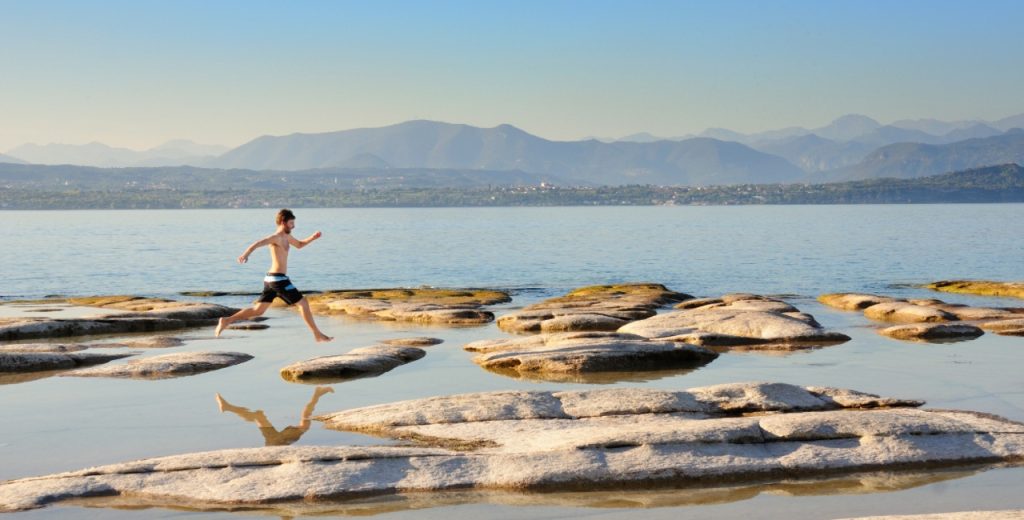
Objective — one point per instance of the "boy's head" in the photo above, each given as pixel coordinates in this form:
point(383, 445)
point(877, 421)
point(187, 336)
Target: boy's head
point(286, 219)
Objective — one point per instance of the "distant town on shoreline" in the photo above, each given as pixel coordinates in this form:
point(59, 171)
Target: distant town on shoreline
point(28, 187)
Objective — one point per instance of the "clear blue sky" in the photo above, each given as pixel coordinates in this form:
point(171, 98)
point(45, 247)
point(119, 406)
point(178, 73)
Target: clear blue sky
point(136, 73)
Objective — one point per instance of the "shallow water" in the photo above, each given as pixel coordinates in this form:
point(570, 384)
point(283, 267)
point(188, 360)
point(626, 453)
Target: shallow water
point(62, 423)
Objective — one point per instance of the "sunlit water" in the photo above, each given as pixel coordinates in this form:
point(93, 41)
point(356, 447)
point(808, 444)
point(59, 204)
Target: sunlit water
point(55, 424)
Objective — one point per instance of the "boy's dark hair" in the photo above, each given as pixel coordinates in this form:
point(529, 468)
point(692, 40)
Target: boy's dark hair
point(284, 216)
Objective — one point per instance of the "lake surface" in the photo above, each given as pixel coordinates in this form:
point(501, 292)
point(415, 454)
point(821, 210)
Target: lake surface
point(55, 424)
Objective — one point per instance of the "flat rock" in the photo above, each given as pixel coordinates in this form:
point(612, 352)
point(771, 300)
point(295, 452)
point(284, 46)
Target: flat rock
point(434, 306)
point(594, 308)
point(1014, 327)
point(723, 400)
point(932, 331)
point(854, 301)
point(166, 366)
point(360, 362)
point(249, 326)
point(44, 347)
point(421, 341)
point(676, 495)
point(585, 352)
point(757, 321)
point(982, 287)
point(538, 440)
point(905, 312)
point(12, 361)
point(142, 315)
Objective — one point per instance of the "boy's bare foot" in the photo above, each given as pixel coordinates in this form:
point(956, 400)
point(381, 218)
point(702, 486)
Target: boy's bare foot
point(220, 403)
point(220, 328)
point(323, 338)
point(321, 390)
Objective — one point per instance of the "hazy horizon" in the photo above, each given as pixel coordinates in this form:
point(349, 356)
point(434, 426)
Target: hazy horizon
point(135, 75)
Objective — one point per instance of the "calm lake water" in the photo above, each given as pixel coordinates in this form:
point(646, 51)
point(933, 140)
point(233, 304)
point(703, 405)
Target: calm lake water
point(55, 424)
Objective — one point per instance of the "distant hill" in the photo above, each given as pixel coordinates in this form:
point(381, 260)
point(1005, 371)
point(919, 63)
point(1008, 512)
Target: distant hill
point(172, 153)
point(813, 153)
point(9, 159)
point(436, 145)
point(910, 160)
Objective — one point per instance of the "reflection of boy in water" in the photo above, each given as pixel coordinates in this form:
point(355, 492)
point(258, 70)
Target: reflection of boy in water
point(270, 434)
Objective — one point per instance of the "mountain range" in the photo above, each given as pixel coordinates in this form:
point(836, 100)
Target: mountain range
point(171, 153)
point(849, 148)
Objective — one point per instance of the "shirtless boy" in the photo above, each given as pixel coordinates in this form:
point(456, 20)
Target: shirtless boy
point(276, 284)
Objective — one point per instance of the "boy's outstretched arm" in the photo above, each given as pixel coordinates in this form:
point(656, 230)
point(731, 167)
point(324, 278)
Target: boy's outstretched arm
point(255, 245)
point(299, 244)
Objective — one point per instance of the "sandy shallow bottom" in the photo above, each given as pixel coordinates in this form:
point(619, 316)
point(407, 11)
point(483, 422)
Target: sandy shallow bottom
point(54, 424)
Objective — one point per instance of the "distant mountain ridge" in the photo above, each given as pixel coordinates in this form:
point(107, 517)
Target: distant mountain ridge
point(9, 159)
point(850, 147)
point(431, 144)
point(910, 160)
point(171, 153)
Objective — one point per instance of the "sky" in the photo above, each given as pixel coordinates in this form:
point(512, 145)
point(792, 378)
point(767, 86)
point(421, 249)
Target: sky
point(138, 73)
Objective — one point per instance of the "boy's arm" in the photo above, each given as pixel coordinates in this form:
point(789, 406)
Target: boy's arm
point(299, 244)
point(255, 245)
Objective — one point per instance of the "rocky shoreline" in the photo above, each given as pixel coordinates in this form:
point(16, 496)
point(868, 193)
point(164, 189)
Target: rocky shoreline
point(514, 441)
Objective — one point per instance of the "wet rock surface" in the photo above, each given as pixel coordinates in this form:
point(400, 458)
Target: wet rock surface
point(541, 440)
point(434, 306)
point(738, 320)
point(357, 363)
point(549, 356)
point(594, 308)
point(140, 315)
point(165, 366)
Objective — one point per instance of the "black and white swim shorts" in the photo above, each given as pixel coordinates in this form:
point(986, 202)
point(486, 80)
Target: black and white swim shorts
point(277, 285)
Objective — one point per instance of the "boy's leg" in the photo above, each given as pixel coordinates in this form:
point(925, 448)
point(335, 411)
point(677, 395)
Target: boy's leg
point(251, 312)
point(307, 316)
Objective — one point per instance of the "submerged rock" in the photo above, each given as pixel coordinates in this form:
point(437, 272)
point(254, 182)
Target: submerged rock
point(739, 320)
point(142, 315)
point(166, 366)
point(594, 308)
point(584, 352)
point(563, 440)
point(435, 306)
point(360, 362)
point(932, 331)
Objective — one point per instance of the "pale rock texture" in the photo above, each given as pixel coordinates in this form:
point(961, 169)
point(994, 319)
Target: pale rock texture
point(165, 366)
point(562, 440)
point(360, 362)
